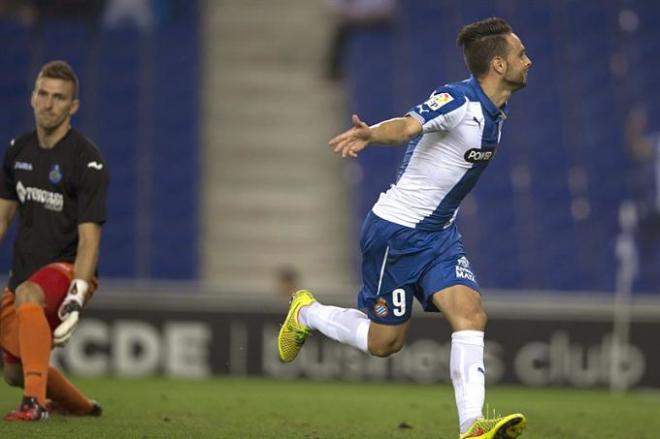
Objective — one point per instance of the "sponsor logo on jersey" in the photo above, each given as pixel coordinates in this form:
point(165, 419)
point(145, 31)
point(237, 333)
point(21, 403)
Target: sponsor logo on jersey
point(437, 101)
point(23, 165)
point(55, 174)
point(50, 200)
point(380, 308)
point(475, 155)
point(96, 165)
point(463, 269)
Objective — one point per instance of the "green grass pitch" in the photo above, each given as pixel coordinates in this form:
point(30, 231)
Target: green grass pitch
point(262, 408)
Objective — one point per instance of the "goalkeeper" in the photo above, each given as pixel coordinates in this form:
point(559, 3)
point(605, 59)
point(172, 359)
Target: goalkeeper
point(56, 180)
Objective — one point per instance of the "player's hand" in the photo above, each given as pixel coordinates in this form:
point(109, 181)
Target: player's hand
point(352, 141)
point(69, 311)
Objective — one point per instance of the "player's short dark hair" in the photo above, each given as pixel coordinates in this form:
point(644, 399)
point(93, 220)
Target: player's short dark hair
point(60, 70)
point(482, 41)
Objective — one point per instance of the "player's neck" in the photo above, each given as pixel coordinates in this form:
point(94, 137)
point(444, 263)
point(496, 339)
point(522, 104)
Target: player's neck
point(494, 89)
point(49, 138)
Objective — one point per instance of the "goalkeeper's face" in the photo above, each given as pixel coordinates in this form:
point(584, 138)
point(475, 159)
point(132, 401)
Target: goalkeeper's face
point(53, 103)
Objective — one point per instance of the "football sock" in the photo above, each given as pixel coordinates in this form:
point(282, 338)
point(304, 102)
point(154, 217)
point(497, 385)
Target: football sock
point(345, 325)
point(34, 341)
point(64, 393)
point(468, 375)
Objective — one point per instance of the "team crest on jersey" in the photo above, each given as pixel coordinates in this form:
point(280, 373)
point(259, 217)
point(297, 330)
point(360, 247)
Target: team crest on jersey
point(55, 174)
point(381, 309)
point(439, 100)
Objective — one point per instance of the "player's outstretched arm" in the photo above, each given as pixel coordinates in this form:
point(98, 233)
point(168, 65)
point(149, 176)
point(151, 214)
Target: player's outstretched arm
point(392, 131)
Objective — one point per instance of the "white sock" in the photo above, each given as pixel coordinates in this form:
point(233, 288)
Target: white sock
point(468, 375)
point(345, 325)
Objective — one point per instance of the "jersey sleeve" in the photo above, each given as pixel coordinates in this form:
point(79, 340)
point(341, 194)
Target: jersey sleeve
point(92, 189)
point(7, 180)
point(442, 111)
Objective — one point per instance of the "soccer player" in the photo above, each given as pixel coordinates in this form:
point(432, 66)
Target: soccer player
point(410, 244)
point(57, 181)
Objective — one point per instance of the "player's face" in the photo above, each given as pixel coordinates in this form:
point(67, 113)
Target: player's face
point(53, 103)
point(518, 63)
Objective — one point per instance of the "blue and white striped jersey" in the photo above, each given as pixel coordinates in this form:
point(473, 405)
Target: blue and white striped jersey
point(461, 129)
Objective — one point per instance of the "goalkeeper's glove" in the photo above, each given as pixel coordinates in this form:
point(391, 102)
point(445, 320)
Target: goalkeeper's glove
point(69, 311)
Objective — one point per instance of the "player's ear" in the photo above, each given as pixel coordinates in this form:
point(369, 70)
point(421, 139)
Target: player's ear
point(33, 99)
point(74, 107)
point(498, 64)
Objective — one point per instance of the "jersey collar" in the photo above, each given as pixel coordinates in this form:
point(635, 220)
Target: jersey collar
point(502, 112)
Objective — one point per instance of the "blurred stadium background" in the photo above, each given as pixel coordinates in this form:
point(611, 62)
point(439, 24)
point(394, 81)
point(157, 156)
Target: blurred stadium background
point(214, 116)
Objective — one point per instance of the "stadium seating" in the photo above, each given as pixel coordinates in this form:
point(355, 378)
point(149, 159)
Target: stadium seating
point(545, 213)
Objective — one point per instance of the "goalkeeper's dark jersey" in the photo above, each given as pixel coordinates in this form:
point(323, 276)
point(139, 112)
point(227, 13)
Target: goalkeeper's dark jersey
point(56, 189)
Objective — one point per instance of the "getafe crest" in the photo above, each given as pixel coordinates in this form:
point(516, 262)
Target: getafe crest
point(55, 174)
